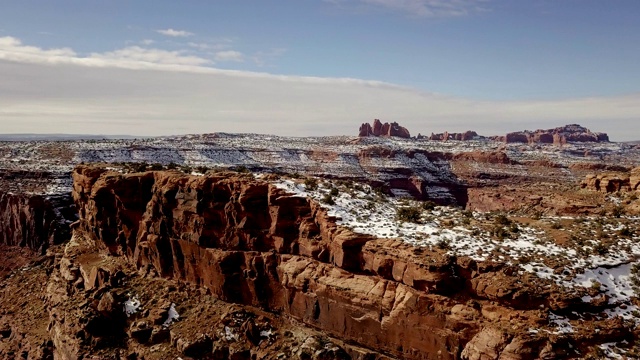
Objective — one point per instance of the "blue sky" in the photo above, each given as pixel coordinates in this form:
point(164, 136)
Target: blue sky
point(487, 51)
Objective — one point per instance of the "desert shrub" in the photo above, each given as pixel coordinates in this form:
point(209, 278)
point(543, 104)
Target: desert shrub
point(600, 249)
point(635, 277)
point(556, 225)
point(328, 199)
point(311, 184)
point(241, 169)
point(172, 166)
point(139, 167)
point(500, 232)
point(334, 191)
point(467, 213)
point(501, 219)
point(443, 244)
point(409, 214)
point(514, 229)
point(625, 232)
point(428, 205)
point(187, 169)
point(617, 211)
point(202, 169)
point(156, 166)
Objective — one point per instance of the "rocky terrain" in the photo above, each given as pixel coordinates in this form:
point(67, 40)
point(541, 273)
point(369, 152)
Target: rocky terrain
point(222, 246)
point(559, 136)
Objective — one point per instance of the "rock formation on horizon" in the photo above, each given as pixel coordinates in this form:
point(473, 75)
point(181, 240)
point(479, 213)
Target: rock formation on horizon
point(465, 136)
point(386, 129)
point(559, 136)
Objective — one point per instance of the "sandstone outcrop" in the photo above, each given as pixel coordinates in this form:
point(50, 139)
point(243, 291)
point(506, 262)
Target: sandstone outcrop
point(386, 130)
point(465, 136)
point(34, 221)
point(613, 182)
point(250, 243)
point(561, 135)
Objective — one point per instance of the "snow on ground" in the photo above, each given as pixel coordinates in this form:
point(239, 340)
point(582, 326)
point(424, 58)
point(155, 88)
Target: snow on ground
point(172, 316)
point(362, 210)
point(132, 306)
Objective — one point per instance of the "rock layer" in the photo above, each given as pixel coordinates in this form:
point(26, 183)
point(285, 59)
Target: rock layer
point(613, 182)
point(250, 243)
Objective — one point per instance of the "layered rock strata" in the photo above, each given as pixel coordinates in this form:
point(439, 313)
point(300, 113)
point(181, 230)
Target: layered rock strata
point(251, 243)
point(613, 182)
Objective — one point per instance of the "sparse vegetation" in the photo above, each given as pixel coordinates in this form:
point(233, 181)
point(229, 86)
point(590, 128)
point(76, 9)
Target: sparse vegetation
point(311, 184)
point(156, 167)
point(328, 199)
point(409, 214)
point(428, 205)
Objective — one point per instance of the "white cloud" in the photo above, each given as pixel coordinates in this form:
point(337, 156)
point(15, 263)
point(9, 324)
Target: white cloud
point(154, 92)
point(229, 55)
point(131, 57)
point(175, 33)
point(147, 42)
point(135, 54)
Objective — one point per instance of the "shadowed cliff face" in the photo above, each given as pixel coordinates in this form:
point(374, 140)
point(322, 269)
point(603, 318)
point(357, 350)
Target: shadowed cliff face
point(251, 243)
point(34, 221)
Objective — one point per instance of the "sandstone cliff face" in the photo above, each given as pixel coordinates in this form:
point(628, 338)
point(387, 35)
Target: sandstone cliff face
point(386, 129)
point(250, 243)
point(34, 221)
point(613, 182)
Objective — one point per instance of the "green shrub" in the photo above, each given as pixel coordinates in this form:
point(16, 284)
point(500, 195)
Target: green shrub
point(501, 219)
point(409, 214)
point(202, 169)
point(625, 232)
point(139, 167)
point(617, 211)
point(311, 184)
point(334, 191)
point(428, 205)
point(328, 199)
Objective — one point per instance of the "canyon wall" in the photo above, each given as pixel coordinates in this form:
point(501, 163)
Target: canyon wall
point(34, 221)
point(251, 243)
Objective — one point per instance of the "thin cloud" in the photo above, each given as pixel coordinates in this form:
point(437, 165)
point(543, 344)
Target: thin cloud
point(156, 92)
point(421, 8)
point(153, 56)
point(175, 33)
point(229, 55)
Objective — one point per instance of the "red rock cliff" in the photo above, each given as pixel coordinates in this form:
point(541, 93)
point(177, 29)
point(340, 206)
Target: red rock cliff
point(251, 243)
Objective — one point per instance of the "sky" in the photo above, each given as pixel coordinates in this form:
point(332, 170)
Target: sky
point(318, 67)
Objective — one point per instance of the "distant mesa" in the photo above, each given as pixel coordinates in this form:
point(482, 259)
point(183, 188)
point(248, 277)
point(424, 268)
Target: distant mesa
point(385, 130)
point(559, 136)
point(572, 133)
point(465, 136)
